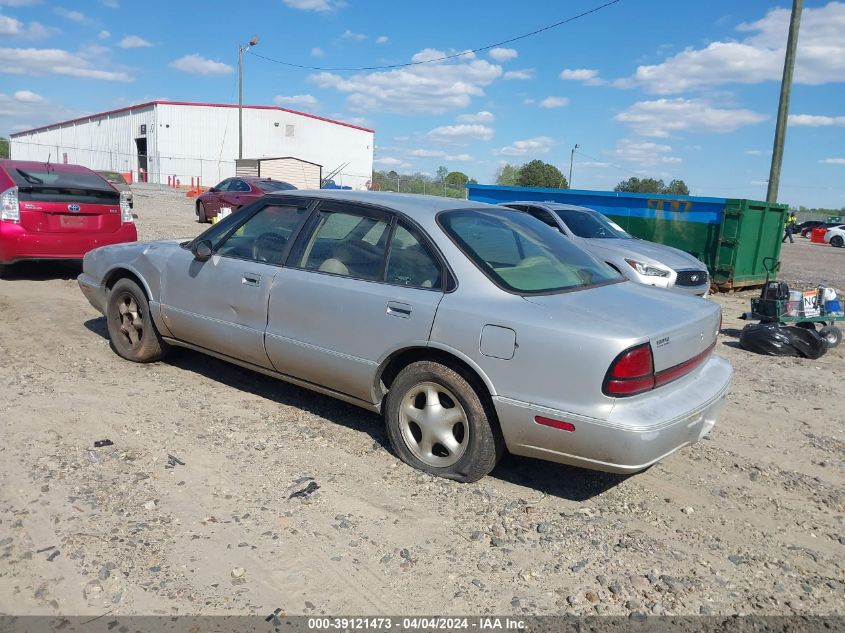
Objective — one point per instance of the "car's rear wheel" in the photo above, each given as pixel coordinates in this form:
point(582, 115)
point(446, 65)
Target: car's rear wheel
point(2, 270)
point(831, 334)
point(837, 241)
point(201, 213)
point(131, 329)
point(437, 422)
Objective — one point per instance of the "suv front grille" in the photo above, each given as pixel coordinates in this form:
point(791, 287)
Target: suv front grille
point(691, 278)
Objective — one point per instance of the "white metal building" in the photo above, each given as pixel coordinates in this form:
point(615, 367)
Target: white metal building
point(161, 139)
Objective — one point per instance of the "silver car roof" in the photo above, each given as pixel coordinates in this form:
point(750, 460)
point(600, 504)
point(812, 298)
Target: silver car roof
point(413, 205)
point(551, 206)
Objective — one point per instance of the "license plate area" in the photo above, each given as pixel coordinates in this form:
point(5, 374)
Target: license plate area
point(71, 221)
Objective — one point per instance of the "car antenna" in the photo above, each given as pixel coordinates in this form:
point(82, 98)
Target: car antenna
point(49, 155)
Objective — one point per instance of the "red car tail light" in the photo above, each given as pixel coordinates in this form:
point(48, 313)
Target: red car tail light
point(10, 210)
point(631, 373)
point(682, 369)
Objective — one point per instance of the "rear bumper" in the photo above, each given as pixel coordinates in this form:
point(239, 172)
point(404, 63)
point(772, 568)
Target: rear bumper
point(16, 243)
point(639, 432)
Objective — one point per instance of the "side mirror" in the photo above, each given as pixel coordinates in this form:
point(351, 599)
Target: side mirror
point(202, 250)
point(213, 190)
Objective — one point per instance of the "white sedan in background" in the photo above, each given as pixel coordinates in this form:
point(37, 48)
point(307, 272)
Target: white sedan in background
point(835, 236)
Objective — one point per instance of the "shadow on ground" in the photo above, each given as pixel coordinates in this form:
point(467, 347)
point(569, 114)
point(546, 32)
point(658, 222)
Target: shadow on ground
point(575, 484)
point(42, 270)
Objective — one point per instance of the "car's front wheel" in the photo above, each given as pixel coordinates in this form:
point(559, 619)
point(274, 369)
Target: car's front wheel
point(438, 423)
point(201, 213)
point(837, 241)
point(131, 329)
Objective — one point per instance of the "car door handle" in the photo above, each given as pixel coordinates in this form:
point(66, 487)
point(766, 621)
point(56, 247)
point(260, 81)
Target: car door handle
point(251, 279)
point(399, 309)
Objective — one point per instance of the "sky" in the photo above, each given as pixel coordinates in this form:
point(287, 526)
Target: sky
point(655, 88)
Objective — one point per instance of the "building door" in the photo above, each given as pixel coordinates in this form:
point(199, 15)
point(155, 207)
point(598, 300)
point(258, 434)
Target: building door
point(141, 144)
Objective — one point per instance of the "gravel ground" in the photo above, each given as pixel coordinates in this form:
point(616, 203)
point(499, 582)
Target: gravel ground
point(750, 520)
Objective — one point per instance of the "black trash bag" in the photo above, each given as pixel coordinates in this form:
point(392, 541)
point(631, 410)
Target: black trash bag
point(772, 339)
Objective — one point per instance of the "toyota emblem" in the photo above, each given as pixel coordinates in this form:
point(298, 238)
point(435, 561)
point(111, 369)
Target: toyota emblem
point(73, 208)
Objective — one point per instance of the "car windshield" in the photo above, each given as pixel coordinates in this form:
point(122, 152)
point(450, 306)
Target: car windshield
point(591, 224)
point(275, 185)
point(520, 253)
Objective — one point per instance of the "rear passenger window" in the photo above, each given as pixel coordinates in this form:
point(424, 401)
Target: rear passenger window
point(410, 263)
point(347, 244)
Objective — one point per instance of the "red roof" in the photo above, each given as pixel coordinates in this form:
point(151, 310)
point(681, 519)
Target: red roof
point(191, 103)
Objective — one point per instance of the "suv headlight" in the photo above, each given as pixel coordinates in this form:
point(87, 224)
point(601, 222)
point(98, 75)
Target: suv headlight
point(647, 270)
point(125, 207)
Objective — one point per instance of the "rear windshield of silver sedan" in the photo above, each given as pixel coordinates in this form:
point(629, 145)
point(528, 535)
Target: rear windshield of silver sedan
point(520, 254)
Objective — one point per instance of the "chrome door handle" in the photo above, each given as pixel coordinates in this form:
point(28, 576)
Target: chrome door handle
point(399, 309)
point(251, 279)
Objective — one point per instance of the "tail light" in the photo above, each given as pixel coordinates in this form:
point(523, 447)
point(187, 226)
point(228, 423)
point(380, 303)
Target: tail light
point(10, 210)
point(125, 209)
point(631, 373)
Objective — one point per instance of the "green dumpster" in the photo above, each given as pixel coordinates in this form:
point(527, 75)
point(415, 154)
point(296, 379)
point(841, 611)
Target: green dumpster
point(730, 236)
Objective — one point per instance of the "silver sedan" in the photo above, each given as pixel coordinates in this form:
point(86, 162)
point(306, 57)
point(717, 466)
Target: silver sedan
point(471, 327)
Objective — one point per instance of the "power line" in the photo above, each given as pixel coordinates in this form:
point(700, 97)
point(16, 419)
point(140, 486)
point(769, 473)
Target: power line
point(445, 57)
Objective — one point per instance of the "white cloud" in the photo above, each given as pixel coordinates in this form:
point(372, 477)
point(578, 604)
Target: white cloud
point(387, 160)
point(10, 26)
point(296, 100)
point(479, 117)
point(134, 41)
point(520, 75)
point(503, 54)
point(643, 153)
point(104, 35)
point(754, 152)
point(33, 31)
point(315, 5)
point(528, 101)
point(815, 120)
point(198, 65)
point(45, 61)
point(554, 102)
point(27, 96)
point(352, 35)
point(461, 133)
point(436, 153)
point(317, 52)
point(536, 145)
point(588, 75)
point(664, 116)
point(759, 57)
point(423, 89)
point(382, 39)
point(832, 161)
point(74, 16)
point(462, 158)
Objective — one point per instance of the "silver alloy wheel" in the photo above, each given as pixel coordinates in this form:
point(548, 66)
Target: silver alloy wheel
point(433, 424)
point(131, 321)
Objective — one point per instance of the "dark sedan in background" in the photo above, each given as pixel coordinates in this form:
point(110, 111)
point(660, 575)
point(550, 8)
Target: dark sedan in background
point(234, 193)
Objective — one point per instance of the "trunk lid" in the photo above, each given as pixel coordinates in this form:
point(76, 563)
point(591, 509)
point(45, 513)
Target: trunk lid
point(678, 327)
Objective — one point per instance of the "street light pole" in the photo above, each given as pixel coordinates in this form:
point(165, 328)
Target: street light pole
point(241, 50)
point(571, 160)
point(783, 104)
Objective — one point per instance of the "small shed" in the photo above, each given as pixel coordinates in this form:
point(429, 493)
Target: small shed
point(302, 174)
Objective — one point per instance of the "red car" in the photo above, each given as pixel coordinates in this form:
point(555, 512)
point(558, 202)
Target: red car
point(234, 193)
point(55, 211)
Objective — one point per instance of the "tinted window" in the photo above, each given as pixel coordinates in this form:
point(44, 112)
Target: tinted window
point(591, 224)
point(238, 185)
point(347, 243)
point(521, 254)
point(264, 236)
point(224, 186)
point(275, 185)
point(53, 185)
point(410, 263)
point(544, 216)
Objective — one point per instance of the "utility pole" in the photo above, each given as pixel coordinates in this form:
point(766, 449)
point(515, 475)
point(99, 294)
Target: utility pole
point(783, 105)
point(241, 50)
point(571, 160)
